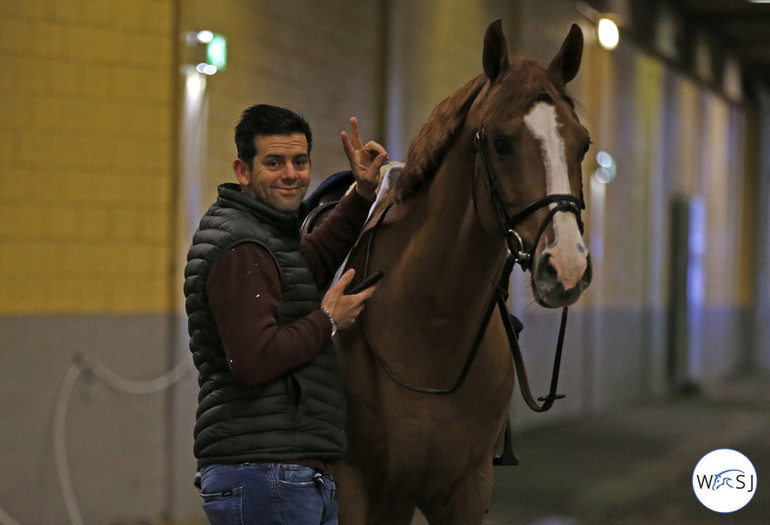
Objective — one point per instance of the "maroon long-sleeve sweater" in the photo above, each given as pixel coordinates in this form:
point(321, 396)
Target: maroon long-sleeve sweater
point(245, 297)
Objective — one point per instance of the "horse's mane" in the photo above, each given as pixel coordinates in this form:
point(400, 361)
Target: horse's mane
point(427, 149)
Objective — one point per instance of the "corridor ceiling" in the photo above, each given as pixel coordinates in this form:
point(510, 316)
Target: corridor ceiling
point(739, 26)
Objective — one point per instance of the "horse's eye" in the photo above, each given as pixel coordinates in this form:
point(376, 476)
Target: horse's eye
point(502, 146)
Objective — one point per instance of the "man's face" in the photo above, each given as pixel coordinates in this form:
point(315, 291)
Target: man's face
point(281, 171)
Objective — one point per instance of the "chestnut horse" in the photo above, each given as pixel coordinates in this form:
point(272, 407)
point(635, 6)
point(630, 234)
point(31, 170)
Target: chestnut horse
point(496, 168)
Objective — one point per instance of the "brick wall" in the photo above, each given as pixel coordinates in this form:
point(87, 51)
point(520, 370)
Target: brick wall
point(86, 157)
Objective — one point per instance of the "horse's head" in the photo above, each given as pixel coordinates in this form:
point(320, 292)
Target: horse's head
point(529, 149)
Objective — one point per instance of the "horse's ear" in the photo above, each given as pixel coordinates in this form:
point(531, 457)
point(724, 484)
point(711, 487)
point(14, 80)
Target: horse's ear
point(495, 57)
point(566, 63)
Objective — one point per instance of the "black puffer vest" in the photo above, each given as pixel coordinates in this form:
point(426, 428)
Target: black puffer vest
point(299, 415)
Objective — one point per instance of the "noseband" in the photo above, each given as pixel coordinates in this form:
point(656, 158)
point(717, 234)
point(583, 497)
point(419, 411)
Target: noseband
point(508, 223)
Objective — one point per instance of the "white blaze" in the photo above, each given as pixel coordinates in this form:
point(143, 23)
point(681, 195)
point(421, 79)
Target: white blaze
point(568, 253)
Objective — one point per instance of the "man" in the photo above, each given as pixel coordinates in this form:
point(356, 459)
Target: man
point(271, 411)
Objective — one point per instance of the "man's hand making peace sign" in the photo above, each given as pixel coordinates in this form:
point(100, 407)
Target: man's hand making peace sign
point(365, 160)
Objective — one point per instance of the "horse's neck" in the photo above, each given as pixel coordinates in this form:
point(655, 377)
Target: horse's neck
point(441, 269)
point(449, 262)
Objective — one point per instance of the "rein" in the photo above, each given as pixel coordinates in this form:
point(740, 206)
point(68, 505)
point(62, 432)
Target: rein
point(516, 255)
point(471, 355)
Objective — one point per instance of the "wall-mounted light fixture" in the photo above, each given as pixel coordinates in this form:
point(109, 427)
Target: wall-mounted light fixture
point(208, 51)
point(608, 34)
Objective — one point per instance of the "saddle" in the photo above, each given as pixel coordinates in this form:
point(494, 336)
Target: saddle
point(315, 208)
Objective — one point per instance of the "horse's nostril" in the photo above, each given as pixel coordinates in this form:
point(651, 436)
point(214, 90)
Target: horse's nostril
point(548, 269)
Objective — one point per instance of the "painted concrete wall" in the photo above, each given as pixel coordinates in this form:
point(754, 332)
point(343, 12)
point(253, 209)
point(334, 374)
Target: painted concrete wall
point(101, 186)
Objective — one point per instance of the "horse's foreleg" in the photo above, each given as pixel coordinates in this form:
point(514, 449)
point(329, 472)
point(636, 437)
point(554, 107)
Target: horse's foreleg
point(356, 507)
point(352, 495)
point(467, 501)
point(396, 514)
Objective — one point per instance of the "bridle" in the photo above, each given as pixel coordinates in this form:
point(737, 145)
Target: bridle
point(517, 254)
point(508, 223)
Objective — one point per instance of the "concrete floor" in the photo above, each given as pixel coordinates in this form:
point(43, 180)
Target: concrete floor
point(635, 466)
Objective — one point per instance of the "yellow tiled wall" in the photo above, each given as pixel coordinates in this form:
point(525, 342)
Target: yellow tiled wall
point(86, 149)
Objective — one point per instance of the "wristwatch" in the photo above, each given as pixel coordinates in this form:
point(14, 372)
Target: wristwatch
point(331, 320)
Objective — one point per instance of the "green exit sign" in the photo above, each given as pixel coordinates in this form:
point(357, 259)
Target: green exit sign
point(216, 51)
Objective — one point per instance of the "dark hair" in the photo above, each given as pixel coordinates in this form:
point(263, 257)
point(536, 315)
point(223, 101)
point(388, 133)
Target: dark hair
point(264, 119)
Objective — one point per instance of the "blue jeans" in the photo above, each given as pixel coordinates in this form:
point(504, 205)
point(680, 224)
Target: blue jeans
point(268, 494)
